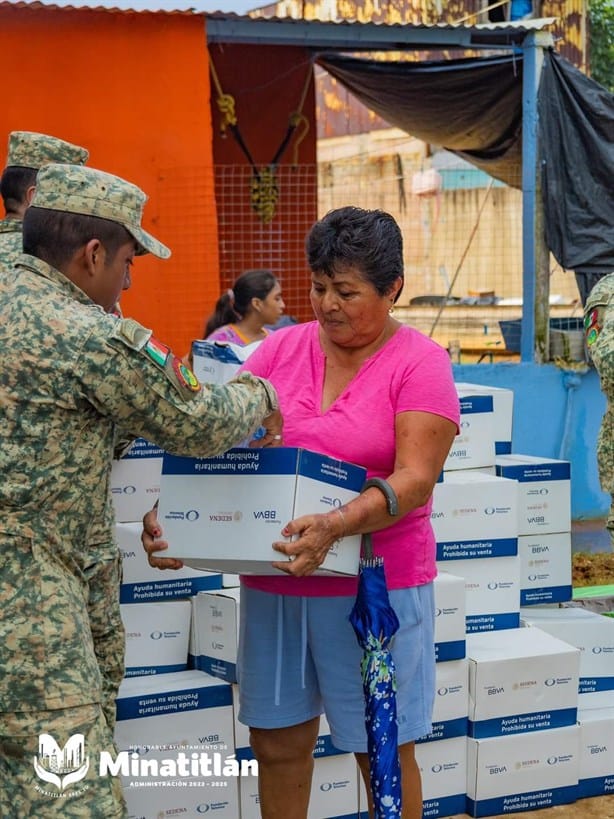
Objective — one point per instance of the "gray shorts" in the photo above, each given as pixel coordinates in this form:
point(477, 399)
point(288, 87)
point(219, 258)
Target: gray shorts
point(299, 657)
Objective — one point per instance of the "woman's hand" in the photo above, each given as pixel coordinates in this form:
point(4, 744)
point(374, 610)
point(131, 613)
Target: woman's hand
point(273, 425)
point(269, 434)
point(316, 534)
point(149, 538)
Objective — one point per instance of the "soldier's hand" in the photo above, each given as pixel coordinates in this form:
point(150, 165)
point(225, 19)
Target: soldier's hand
point(273, 425)
point(150, 535)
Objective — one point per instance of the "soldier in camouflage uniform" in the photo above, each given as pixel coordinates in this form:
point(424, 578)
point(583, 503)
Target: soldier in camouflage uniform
point(599, 326)
point(27, 152)
point(71, 372)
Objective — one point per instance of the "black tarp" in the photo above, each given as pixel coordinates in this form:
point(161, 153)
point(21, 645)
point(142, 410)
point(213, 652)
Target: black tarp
point(473, 107)
point(576, 132)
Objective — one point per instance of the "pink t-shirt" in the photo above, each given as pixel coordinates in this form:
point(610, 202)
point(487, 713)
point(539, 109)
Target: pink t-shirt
point(410, 372)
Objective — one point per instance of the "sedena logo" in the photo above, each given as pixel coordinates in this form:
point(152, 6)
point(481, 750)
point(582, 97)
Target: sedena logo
point(61, 766)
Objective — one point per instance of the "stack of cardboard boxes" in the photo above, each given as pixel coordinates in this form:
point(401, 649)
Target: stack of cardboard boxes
point(510, 660)
point(593, 635)
point(155, 605)
point(176, 711)
point(442, 755)
point(162, 707)
point(503, 524)
point(247, 497)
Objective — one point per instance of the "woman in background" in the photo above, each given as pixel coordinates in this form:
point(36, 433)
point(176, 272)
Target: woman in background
point(241, 313)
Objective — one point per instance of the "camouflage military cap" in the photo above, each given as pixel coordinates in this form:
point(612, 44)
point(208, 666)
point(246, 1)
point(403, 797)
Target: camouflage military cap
point(30, 150)
point(77, 189)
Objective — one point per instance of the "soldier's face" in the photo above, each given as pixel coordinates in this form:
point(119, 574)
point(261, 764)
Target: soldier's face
point(115, 275)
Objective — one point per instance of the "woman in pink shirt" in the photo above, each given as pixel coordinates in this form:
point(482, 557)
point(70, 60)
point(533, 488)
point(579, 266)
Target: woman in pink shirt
point(357, 385)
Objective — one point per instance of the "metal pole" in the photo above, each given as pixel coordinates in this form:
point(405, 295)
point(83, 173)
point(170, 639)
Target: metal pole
point(535, 257)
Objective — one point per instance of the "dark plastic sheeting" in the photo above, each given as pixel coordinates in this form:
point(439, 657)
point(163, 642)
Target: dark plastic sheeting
point(473, 107)
point(576, 131)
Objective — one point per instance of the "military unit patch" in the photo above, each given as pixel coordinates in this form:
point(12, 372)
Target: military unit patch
point(157, 351)
point(185, 375)
point(592, 326)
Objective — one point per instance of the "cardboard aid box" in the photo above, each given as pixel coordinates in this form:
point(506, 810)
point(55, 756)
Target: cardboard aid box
point(451, 701)
point(173, 723)
point(510, 774)
point(142, 583)
point(216, 362)
point(449, 617)
point(503, 410)
point(596, 752)
point(545, 568)
point(443, 766)
point(188, 709)
point(474, 446)
point(216, 632)
point(190, 800)
point(475, 515)
point(544, 492)
point(135, 481)
point(593, 635)
point(334, 790)
point(492, 591)
point(520, 683)
point(224, 513)
point(157, 637)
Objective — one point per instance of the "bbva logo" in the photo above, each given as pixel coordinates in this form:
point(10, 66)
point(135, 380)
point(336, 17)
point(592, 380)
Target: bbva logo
point(61, 766)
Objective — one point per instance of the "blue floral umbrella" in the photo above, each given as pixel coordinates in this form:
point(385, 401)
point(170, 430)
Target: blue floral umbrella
point(375, 624)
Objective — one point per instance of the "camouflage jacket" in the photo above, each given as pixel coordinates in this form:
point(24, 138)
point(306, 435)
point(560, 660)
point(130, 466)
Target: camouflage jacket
point(599, 327)
point(10, 254)
point(10, 243)
point(70, 374)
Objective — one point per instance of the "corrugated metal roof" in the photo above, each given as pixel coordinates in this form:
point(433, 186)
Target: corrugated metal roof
point(175, 7)
point(351, 35)
point(343, 35)
point(257, 14)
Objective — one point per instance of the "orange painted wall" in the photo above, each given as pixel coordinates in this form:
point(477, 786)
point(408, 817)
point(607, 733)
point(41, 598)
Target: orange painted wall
point(267, 84)
point(133, 88)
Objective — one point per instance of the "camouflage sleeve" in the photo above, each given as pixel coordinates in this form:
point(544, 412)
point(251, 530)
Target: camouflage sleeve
point(122, 443)
point(136, 380)
point(599, 329)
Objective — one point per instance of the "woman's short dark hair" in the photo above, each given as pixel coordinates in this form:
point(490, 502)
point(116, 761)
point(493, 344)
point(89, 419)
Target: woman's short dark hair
point(234, 304)
point(55, 235)
point(368, 240)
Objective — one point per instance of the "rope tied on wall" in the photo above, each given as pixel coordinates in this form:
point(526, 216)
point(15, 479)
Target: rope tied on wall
point(264, 192)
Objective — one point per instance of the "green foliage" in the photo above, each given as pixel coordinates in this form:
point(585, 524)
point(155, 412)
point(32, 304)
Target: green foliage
point(601, 43)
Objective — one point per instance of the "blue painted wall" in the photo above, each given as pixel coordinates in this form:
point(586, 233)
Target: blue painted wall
point(557, 414)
